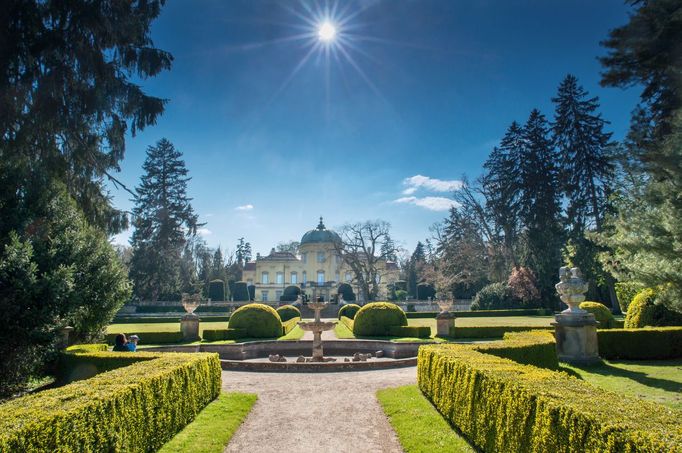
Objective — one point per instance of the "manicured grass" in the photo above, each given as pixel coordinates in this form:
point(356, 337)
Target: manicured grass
point(659, 381)
point(294, 334)
point(419, 426)
point(214, 426)
point(160, 327)
point(342, 332)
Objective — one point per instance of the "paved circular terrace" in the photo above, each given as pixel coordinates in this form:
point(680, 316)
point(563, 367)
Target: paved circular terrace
point(329, 412)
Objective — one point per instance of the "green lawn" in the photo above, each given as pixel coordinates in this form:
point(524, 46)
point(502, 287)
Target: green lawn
point(214, 426)
point(487, 321)
point(657, 380)
point(419, 426)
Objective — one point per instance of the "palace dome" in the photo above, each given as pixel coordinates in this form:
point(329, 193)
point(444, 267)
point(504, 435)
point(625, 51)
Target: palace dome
point(319, 234)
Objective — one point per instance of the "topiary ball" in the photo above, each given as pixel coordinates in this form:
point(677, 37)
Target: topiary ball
point(258, 320)
point(287, 312)
point(601, 313)
point(374, 319)
point(349, 311)
point(644, 311)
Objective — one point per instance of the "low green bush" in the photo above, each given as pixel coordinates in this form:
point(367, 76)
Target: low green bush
point(484, 313)
point(223, 334)
point(349, 311)
point(80, 348)
point(502, 405)
point(152, 337)
point(287, 312)
point(288, 326)
point(529, 347)
point(644, 311)
point(640, 344)
point(258, 320)
point(490, 331)
point(410, 331)
point(601, 313)
point(625, 292)
point(135, 408)
point(347, 322)
point(494, 296)
point(374, 319)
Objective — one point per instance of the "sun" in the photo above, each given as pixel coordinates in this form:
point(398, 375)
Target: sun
point(326, 32)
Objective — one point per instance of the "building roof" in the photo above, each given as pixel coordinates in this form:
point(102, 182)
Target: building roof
point(279, 256)
point(250, 266)
point(319, 234)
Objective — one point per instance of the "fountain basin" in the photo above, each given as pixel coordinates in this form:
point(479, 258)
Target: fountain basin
point(313, 326)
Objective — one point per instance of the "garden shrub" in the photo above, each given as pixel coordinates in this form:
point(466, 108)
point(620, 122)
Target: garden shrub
point(222, 334)
point(644, 311)
point(347, 322)
point(502, 405)
point(625, 292)
point(241, 292)
point(258, 320)
point(493, 297)
point(529, 347)
point(425, 291)
point(347, 291)
point(76, 366)
point(490, 331)
point(400, 294)
point(640, 344)
point(152, 337)
point(349, 310)
point(290, 294)
point(287, 312)
point(81, 348)
point(484, 313)
point(135, 408)
point(374, 319)
point(601, 313)
point(410, 331)
point(288, 326)
point(523, 286)
point(216, 290)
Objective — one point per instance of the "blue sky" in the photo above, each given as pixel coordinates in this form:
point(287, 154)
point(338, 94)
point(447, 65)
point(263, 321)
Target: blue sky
point(413, 95)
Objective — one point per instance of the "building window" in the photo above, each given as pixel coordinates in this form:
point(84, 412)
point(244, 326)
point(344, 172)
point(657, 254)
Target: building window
point(294, 278)
point(304, 257)
point(278, 295)
point(337, 277)
point(320, 277)
point(338, 259)
point(305, 277)
point(320, 257)
point(279, 278)
point(265, 278)
point(264, 296)
point(349, 277)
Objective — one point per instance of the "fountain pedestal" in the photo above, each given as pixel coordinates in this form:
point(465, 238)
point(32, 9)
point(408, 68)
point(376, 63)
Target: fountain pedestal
point(189, 323)
point(317, 327)
point(445, 319)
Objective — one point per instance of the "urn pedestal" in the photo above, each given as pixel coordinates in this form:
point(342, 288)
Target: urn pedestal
point(444, 321)
point(189, 325)
point(576, 338)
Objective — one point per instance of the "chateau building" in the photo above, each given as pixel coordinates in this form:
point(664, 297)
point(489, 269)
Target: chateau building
point(317, 269)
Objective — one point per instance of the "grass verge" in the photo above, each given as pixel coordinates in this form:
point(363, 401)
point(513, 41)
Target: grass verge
point(214, 426)
point(419, 426)
point(294, 334)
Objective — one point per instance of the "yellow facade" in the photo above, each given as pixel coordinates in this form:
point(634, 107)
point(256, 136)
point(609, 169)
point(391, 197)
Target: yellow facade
point(316, 269)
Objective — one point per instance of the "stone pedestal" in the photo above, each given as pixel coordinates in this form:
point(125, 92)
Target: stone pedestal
point(318, 352)
point(576, 337)
point(444, 321)
point(189, 325)
point(64, 334)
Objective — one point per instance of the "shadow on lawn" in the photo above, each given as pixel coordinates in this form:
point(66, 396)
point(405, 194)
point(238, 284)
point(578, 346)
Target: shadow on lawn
point(606, 369)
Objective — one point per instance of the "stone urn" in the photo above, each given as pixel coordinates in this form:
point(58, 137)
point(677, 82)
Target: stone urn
point(445, 320)
point(571, 289)
point(189, 323)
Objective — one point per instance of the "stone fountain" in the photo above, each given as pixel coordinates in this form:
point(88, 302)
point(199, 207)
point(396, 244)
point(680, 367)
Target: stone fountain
point(575, 329)
point(317, 327)
point(189, 323)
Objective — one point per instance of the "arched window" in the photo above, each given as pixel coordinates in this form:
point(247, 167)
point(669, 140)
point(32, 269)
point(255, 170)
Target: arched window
point(265, 278)
point(294, 278)
point(320, 277)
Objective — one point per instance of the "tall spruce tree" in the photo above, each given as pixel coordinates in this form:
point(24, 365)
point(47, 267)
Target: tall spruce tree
point(414, 268)
point(539, 206)
point(163, 219)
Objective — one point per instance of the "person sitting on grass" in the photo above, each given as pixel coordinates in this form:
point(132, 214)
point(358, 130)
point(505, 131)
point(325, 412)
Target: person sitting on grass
point(123, 345)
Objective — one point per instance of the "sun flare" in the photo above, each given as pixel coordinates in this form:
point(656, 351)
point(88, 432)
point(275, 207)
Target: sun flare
point(326, 32)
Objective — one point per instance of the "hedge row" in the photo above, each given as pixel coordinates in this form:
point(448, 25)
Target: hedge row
point(162, 319)
point(179, 309)
point(288, 326)
point(347, 322)
point(640, 344)
point(410, 331)
point(152, 337)
point(536, 348)
point(81, 348)
point(491, 331)
point(485, 313)
point(136, 408)
point(223, 334)
point(501, 405)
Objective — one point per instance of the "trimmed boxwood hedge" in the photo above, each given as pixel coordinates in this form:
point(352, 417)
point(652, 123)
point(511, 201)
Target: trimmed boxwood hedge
point(152, 337)
point(288, 326)
point(347, 322)
point(136, 408)
point(601, 313)
point(410, 331)
point(484, 313)
point(287, 312)
point(163, 319)
point(491, 331)
point(374, 319)
point(640, 344)
point(222, 334)
point(502, 405)
point(349, 310)
point(258, 320)
point(93, 347)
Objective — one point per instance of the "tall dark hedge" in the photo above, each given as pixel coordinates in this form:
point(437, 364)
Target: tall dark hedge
point(241, 292)
point(290, 294)
point(347, 291)
point(425, 291)
point(216, 290)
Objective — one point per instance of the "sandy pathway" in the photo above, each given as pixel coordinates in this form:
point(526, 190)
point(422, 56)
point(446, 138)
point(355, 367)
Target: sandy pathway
point(324, 412)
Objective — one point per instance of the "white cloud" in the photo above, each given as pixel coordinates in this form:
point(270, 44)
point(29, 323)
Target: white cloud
point(436, 185)
point(430, 203)
point(246, 207)
point(204, 232)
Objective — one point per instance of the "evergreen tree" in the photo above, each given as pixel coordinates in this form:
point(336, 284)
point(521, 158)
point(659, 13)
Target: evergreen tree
point(414, 269)
point(539, 207)
point(163, 219)
point(389, 250)
point(243, 252)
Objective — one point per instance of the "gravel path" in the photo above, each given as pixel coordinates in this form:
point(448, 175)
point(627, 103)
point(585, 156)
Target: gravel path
point(324, 412)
